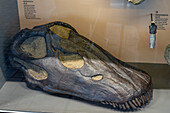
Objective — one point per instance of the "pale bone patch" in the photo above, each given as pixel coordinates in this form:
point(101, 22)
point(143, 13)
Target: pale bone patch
point(73, 61)
point(61, 31)
point(41, 75)
point(97, 77)
point(34, 47)
point(135, 1)
point(34, 71)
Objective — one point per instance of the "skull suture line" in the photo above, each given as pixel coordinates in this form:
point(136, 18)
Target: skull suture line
point(57, 59)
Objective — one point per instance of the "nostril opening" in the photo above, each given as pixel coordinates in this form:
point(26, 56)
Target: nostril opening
point(97, 77)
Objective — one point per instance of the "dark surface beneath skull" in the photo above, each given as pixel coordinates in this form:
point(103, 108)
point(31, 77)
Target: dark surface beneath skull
point(58, 60)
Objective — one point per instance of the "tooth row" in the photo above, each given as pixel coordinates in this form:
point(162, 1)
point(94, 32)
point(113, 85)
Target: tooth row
point(132, 104)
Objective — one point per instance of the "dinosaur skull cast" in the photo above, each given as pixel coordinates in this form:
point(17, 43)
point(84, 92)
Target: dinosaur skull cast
point(57, 59)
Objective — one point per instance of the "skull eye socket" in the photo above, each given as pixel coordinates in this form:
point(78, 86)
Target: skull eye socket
point(97, 77)
point(34, 47)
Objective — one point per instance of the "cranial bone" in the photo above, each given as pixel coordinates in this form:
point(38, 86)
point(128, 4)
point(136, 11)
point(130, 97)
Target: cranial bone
point(57, 59)
point(135, 2)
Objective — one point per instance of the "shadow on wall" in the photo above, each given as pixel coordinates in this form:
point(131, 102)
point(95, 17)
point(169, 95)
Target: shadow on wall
point(9, 22)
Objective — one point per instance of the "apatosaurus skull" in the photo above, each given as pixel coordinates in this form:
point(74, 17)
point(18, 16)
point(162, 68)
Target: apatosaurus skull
point(57, 59)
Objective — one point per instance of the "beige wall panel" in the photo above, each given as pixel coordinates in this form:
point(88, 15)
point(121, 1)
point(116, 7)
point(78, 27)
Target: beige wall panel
point(117, 26)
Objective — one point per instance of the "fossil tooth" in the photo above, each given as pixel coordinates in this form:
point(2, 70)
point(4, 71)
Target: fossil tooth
point(117, 105)
point(113, 105)
point(147, 96)
point(134, 102)
point(103, 102)
point(144, 98)
point(123, 106)
point(120, 106)
point(127, 105)
point(107, 102)
point(137, 100)
point(140, 100)
point(110, 103)
point(143, 101)
point(131, 104)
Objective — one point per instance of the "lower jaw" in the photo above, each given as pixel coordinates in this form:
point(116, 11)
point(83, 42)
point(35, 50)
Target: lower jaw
point(134, 104)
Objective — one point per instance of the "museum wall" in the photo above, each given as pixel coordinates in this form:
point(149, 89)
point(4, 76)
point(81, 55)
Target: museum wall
point(118, 27)
point(9, 25)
